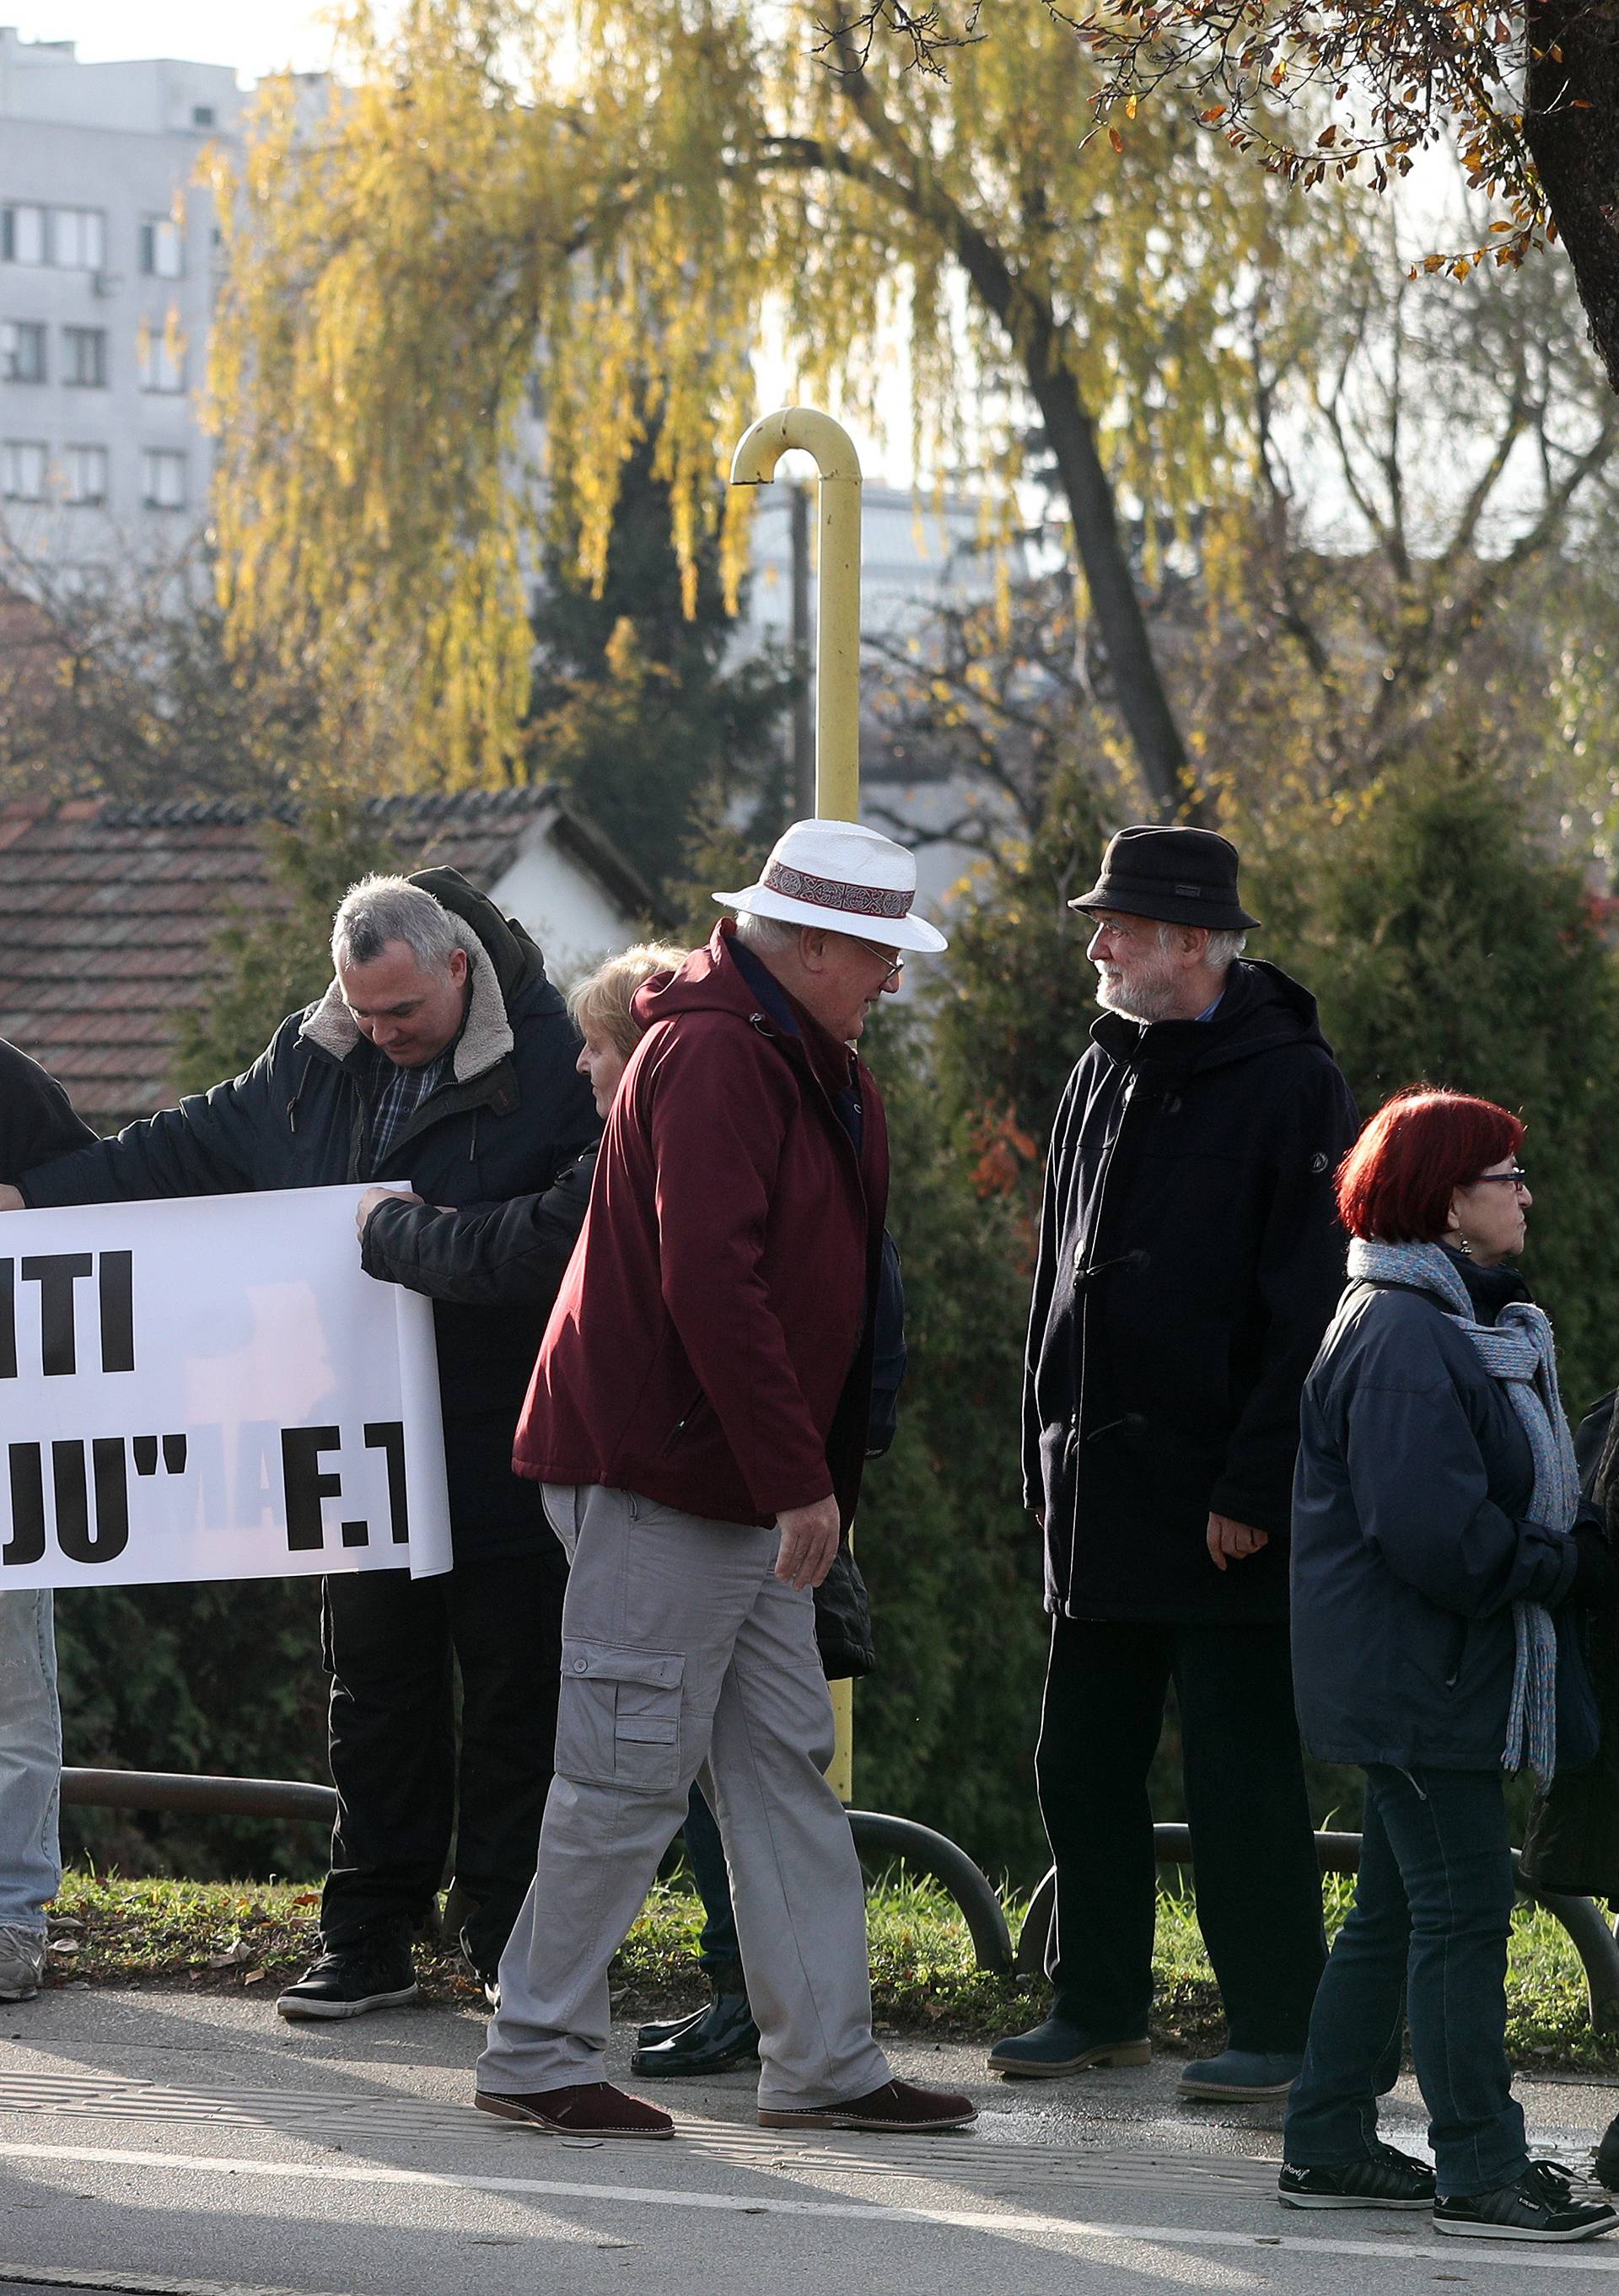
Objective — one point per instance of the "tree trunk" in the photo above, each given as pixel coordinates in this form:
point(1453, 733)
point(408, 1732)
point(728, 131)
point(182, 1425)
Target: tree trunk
point(1138, 686)
point(1137, 683)
point(1571, 124)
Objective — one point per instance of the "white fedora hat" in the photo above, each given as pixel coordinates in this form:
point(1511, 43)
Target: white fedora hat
point(845, 878)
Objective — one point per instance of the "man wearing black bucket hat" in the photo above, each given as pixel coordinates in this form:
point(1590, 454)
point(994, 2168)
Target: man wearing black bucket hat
point(1189, 1261)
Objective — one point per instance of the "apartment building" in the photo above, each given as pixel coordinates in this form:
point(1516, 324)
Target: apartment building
point(107, 251)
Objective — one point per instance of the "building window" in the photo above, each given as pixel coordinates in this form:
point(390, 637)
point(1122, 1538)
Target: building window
point(78, 239)
point(21, 234)
point(73, 239)
point(201, 115)
point(84, 474)
point(21, 351)
point(21, 470)
point(162, 248)
point(83, 358)
point(163, 478)
point(160, 358)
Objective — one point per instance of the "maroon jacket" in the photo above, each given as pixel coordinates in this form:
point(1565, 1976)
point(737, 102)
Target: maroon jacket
point(711, 1346)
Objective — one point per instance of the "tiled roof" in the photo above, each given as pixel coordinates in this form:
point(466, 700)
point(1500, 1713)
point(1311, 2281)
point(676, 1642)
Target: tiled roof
point(107, 912)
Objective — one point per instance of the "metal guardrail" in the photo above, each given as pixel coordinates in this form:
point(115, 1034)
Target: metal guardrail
point(876, 1837)
point(209, 1797)
point(1340, 1853)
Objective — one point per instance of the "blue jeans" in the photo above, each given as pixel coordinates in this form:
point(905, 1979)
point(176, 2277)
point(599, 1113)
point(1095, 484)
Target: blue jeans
point(30, 1759)
point(1425, 1941)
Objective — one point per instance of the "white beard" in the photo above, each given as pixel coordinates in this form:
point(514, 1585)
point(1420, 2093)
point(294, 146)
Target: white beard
point(1146, 1000)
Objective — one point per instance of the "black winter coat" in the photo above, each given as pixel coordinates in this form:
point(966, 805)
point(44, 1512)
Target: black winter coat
point(1411, 1541)
point(37, 1117)
point(1189, 1258)
point(513, 1116)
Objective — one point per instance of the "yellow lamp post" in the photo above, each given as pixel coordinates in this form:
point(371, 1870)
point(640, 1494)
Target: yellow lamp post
point(837, 637)
point(837, 707)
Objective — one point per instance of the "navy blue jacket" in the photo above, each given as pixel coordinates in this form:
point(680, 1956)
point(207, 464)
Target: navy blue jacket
point(506, 1131)
point(1411, 1540)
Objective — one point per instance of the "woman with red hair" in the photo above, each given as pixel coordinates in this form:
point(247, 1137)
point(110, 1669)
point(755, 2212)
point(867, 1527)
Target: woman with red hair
point(1438, 1543)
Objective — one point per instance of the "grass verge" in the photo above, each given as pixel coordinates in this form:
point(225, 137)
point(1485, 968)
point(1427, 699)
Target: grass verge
point(231, 1937)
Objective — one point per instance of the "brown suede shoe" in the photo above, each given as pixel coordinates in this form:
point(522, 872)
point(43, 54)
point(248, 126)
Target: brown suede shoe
point(593, 2108)
point(898, 2107)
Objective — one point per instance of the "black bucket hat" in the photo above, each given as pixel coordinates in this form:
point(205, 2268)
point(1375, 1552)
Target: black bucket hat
point(1181, 876)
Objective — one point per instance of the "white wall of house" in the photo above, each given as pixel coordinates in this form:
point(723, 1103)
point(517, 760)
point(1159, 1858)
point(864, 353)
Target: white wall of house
point(574, 919)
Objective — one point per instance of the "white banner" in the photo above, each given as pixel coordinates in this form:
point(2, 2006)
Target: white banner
point(210, 1387)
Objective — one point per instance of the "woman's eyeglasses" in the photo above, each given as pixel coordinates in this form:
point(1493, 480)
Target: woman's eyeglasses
point(1517, 1179)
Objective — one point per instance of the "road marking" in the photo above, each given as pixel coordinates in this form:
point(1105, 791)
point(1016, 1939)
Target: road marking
point(1391, 2250)
point(992, 2161)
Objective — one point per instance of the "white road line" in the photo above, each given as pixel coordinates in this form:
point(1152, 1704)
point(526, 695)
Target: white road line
point(1392, 2251)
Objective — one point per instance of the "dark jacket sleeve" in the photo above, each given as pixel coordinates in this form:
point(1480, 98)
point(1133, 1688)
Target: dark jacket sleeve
point(204, 1147)
point(1422, 1497)
point(511, 1253)
point(37, 1117)
point(1048, 1254)
point(1299, 1277)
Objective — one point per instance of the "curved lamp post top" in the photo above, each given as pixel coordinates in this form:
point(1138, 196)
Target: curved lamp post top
point(763, 444)
point(837, 643)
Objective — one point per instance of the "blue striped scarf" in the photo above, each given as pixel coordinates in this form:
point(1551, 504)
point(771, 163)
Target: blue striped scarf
point(1518, 1350)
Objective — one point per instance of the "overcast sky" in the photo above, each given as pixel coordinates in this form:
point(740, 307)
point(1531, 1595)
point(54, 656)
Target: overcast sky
point(264, 37)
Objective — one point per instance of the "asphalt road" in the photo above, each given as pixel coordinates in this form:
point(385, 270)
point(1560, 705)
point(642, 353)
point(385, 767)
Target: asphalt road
point(175, 2143)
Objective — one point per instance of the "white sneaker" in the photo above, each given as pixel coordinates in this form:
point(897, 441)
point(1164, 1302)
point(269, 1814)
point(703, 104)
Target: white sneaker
point(21, 1962)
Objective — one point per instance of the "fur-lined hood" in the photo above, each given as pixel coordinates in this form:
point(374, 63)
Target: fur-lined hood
point(487, 1038)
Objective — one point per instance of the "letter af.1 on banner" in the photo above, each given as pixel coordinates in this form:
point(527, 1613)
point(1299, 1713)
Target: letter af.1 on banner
point(210, 1387)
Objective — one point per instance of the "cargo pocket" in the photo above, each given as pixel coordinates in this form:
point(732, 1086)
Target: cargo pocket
point(619, 1720)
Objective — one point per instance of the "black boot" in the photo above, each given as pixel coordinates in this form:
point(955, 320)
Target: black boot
point(723, 2034)
point(724, 1977)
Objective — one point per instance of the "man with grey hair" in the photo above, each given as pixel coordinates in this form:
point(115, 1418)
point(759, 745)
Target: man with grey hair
point(699, 1418)
point(1189, 1262)
point(441, 1056)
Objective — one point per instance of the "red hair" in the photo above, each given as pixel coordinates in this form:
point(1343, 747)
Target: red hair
point(1396, 1182)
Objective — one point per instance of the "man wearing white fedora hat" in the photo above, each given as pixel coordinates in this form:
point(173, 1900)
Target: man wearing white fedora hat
point(698, 1418)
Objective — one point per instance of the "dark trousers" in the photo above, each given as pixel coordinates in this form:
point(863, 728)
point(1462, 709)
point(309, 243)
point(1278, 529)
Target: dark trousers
point(390, 1644)
point(1254, 1871)
point(1425, 1940)
point(719, 1950)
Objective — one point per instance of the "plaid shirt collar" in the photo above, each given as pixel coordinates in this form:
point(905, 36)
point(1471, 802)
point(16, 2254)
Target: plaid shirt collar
point(395, 1093)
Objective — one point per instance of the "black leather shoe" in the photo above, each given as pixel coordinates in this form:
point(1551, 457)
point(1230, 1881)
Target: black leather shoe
point(652, 2037)
point(349, 1980)
point(721, 2036)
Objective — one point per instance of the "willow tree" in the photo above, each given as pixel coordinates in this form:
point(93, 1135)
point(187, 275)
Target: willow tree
point(607, 205)
point(1528, 95)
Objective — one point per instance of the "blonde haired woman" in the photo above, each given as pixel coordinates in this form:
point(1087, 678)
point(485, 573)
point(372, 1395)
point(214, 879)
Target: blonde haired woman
point(602, 1007)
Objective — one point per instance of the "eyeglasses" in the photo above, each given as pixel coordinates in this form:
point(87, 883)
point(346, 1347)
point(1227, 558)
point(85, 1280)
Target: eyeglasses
point(893, 974)
point(1516, 1179)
